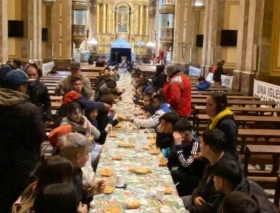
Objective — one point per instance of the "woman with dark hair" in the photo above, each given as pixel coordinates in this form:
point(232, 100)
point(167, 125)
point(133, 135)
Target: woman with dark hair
point(53, 170)
point(222, 118)
point(58, 198)
point(159, 78)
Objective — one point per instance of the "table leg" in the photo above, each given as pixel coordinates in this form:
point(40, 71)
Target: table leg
point(275, 164)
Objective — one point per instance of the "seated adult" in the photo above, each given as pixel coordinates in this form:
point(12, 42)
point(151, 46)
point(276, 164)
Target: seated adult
point(177, 90)
point(109, 84)
point(205, 198)
point(228, 178)
point(202, 83)
point(240, 202)
point(159, 105)
point(52, 200)
point(66, 86)
point(38, 93)
point(223, 119)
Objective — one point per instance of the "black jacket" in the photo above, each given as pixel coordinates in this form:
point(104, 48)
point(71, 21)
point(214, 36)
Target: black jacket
point(217, 75)
point(39, 95)
point(4, 71)
point(257, 193)
point(164, 140)
point(22, 132)
point(207, 191)
point(229, 127)
point(159, 80)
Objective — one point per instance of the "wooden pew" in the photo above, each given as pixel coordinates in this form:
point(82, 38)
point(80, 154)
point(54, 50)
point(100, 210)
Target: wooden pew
point(231, 97)
point(238, 102)
point(207, 92)
point(216, 89)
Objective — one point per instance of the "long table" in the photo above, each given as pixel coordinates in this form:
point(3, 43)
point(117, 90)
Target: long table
point(139, 187)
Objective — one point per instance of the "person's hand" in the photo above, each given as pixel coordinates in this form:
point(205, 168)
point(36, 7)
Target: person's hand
point(199, 201)
point(98, 187)
point(83, 208)
point(198, 155)
point(108, 128)
point(177, 138)
point(107, 106)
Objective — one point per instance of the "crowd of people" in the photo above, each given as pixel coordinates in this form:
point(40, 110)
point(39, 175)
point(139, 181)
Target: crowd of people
point(206, 170)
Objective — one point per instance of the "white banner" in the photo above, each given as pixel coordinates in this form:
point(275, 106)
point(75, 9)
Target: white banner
point(209, 77)
point(47, 67)
point(267, 92)
point(193, 71)
point(227, 81)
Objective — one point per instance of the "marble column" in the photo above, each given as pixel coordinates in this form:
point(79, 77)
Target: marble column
point(136, 17)
point(109, 21)
point(3, 31)
point(39, 33)
point(241, 44)
point(195, 19)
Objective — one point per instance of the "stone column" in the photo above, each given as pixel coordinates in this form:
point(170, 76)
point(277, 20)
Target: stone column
point(97, 17)
point(104, 18)
point(137, 23)
point(3, 31)
point(132, 21)
point(141, 20)
point(147, 21)
point(241, 44)
point(109, 21)
point(215, 13)
point(195, 19)
point(39, 33)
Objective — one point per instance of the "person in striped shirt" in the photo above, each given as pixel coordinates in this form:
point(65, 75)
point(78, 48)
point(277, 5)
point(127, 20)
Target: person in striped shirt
point(189, 170)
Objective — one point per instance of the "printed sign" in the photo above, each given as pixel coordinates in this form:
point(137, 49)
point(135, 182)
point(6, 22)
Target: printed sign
point(47, 67)
point(209, 77)
point(267, 92)
point(193, 71)
point(227, 81)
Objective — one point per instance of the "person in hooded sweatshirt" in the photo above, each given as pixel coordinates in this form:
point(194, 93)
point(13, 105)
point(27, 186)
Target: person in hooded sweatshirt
point(228, 178)
point(22, 132)
point(202, 83)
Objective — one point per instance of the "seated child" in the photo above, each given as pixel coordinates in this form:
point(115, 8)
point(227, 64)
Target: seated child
point(189, 170)
point(91, 113)
point(53, 170)
point(76, 147)
point(76, 118)
point(148, 106)
point(202, 83)
point(52, 199)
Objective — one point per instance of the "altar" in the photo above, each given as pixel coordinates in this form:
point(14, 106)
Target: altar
point(120, 51)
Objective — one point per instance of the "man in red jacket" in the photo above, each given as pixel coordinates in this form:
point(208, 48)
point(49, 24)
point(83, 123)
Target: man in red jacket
point(177, 90)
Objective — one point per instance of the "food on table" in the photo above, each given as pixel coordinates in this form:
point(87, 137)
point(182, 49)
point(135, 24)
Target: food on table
point(163, 161)
point(154, 151)
point(106, 172)
point(133, 205)
point(113, 209)
point(118, 126)
point(140, 170)
point(152, 142)
point(125, 145)
point(108, 189)
point(146, 148)
point(113, 135)
point(117, 157)
point(168, 190)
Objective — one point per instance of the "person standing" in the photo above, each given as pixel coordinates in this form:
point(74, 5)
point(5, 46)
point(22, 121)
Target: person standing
point(22, 132)
point(66, 86)
point(219, 71)
point(177, 90)
point(14, 65)
point(38, 93)
point(159, 78)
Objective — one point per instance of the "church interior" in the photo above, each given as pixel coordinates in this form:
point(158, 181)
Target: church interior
point(112, 72)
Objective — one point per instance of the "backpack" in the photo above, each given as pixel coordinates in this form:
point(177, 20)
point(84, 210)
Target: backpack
point(215, 68)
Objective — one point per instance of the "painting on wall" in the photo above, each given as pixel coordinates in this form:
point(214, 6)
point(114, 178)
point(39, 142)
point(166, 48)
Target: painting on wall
point(122, 19)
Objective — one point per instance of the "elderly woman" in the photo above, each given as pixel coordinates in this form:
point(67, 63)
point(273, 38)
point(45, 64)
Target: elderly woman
point(177, 90)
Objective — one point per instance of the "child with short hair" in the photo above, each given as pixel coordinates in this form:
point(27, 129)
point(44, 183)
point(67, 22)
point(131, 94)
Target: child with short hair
point(189, 169)
point(76, 147)
point(78, 86)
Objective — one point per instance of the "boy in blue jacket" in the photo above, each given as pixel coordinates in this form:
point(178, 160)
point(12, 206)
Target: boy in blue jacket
point(202, 83)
